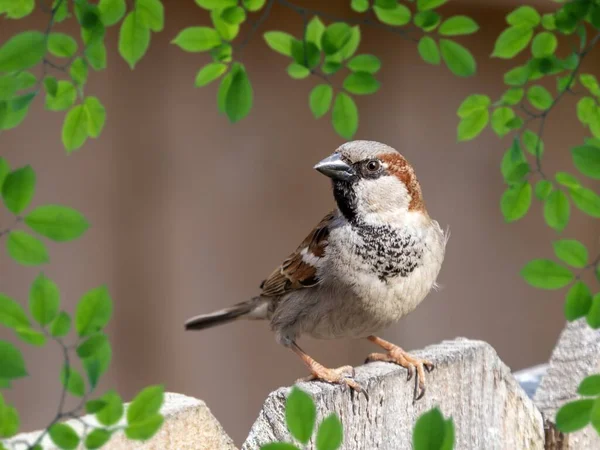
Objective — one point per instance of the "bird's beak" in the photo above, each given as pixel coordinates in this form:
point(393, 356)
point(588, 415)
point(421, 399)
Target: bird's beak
point(336, 168)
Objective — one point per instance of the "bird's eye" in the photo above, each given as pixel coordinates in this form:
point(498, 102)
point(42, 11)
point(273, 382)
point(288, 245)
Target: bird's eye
point(373, 166)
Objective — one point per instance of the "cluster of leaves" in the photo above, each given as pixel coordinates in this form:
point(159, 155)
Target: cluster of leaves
point(431, 431)
point(45, 321)
point(66, 61)
point(578, 414)
point(55, 222)
point(321, 51)
point(524, 103)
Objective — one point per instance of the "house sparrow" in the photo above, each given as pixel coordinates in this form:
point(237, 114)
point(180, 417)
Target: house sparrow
point(366, 265)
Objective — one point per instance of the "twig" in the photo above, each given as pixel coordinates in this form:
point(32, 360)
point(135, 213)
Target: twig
point(255, 26)
point(18, 220)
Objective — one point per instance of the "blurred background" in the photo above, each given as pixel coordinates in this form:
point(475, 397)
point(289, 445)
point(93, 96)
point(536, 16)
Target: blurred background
point(190, 213)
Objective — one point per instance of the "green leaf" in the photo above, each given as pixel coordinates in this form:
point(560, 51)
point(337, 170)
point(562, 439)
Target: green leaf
point(253, 5)
point(330, 433)
point(134, 38)
point(500, 118)
point(87, 14)
point(513, 96)
point(345, 115)
point(567, 180)
point(93, 406)
point(590, 386)
point(544, 44)
point(429, 431)
point(238, 101)
point(111, 11)
point(146, 404)
point(586, 110)
point(98, 364)
point(12, 315)
point(458, 26)
point(424, 5)
point(574, 415)
point(75, 128)
point(398, 16)
point(350, 47)
point(546, 274)
point(44, 300)
point(10, 420)
point(22, 101)
point(360, 6)
point(145, 429)
point(62, 45)
point(590, 82)
point(361, 83)
point(8, 86)
point(472, 125)
point(539, 97)
point(30, 336)
point(97, 438)
point(427, 20)
point(93, 311)
point(4, 171)
point(429, 51)
point(215, 4)
point(51, 85)
point(96, 55)
point(225, 29)
point(64, 436)
point(152, 13)
point(112, 412)
point(73, 381)
point(222, 92)
point(474, 102)
point(571, 252)
point(17, 9)
point(532, 143)
point(593, 316)
point(65, 97)
point(586, 200)
point(79, 71)
point(209, 73)
point(18, 189)
point(300, 415)
point(96, 116)
point(335, 37)
point(595, 415)
point(22, 51)
point(297, 72)
point(320, 100)
point(280, 42)
point(512, 41)
point(233, 15)
point(578, 302)
point(330, 67)
point(314, 31)
point(557, 210)
point(364, 63)
point(26, 249)
point(61, 326)
point(587, 160)
point(524, 16)
point(517, 76)
point(516, 201)
point(458, 59)
point(58, 223)
point(91, 346)
point(12, 365)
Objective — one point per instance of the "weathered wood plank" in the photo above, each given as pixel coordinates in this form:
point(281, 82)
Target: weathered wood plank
point(470, 383)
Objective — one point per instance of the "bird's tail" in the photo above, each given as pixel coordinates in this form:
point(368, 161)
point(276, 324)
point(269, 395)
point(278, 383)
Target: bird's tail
point(251, 309)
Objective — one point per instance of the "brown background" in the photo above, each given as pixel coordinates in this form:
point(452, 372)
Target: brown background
point(189, 213)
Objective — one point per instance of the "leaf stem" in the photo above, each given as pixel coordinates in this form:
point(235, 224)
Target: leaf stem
point(18, 220)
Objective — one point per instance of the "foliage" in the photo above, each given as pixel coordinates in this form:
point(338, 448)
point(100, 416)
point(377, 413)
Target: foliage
point(525, 103)
point(88, 351)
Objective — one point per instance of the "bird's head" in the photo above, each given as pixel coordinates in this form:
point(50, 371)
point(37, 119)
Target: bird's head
point(372, 182)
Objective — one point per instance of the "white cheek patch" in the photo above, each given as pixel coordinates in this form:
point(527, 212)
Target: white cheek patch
point(383, 195)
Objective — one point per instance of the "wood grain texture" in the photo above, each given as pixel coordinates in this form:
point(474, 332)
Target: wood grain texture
point(470, 383)
point(576, 355)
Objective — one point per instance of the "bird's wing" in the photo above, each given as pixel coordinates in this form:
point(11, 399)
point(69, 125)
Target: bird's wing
point(299, 270)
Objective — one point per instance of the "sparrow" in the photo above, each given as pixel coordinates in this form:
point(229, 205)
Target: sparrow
point(367, 264)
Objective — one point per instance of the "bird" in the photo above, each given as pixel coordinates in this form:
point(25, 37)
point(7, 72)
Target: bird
point(367, 264)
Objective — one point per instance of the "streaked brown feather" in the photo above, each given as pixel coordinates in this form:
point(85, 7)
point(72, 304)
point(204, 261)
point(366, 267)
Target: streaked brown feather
point(294, 272)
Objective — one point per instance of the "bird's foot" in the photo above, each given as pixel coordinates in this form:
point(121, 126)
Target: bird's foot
point(411, 363)
point(341, 375)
